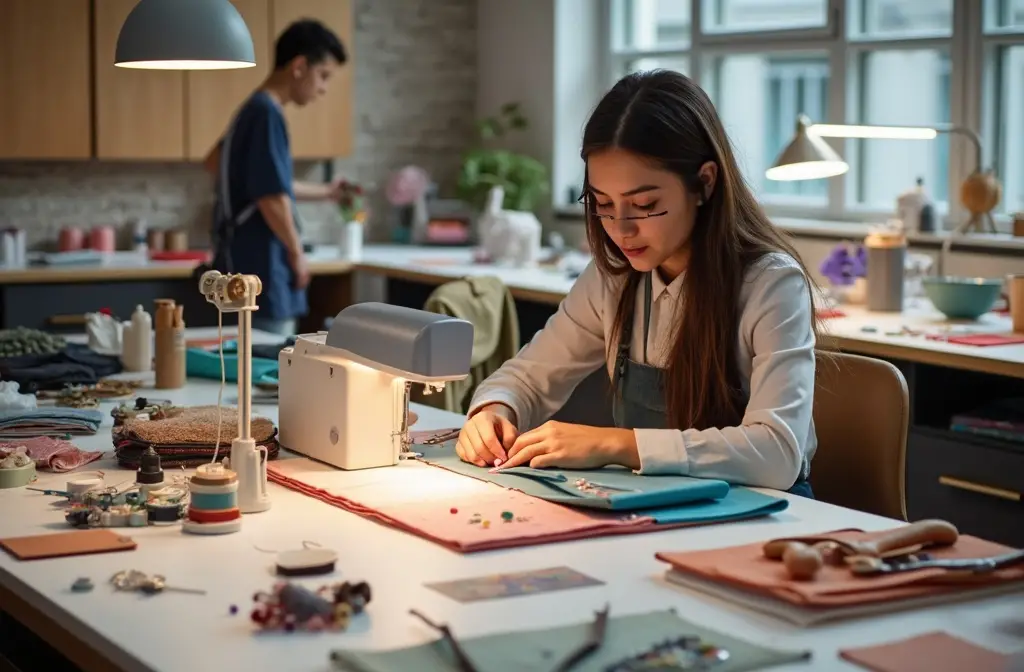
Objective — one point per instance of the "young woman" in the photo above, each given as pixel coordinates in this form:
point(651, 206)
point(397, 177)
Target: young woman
point(701, 311)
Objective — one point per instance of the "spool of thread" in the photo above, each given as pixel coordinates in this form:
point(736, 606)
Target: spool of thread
point(71, 239)
point(149, 476)
point(163, 513)
point(83, 485)
point(102, 238)
point(305, 562)
point(213, 501)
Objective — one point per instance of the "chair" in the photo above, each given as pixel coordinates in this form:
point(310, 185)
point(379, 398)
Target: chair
point(861, 414)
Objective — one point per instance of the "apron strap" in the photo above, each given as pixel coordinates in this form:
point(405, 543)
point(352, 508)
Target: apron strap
point(648, 288)
point(626, 337)
point(227, 221)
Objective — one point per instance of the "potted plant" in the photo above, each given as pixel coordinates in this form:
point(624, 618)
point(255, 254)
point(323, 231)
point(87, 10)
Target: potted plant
point(352, 209)
point(523, 178)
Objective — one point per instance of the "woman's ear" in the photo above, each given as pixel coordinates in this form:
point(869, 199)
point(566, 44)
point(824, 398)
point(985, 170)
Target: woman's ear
point(708, 176)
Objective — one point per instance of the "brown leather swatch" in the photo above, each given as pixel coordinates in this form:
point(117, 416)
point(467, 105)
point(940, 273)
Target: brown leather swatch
point(62, 544)
point(930, 652)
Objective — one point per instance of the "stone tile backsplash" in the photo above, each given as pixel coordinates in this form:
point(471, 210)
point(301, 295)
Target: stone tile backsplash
point(415, 89)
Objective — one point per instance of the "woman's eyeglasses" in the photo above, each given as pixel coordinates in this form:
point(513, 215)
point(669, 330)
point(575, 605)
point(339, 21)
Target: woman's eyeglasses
point(584, 201)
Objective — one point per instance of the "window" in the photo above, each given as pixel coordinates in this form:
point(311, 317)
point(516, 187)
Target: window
point(892, 62)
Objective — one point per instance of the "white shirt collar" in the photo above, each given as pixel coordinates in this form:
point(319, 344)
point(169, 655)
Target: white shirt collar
point(658, 286)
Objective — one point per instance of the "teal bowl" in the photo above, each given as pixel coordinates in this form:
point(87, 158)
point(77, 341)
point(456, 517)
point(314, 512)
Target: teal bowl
point(962, 298)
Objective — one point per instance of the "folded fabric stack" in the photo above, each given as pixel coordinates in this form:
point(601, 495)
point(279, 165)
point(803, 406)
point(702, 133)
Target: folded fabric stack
point(188, 437)
point(58, 421)
point(38, 368)
point(51, 454)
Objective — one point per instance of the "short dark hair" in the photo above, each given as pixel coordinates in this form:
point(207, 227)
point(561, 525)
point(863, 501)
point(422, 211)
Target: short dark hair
point(309, 38)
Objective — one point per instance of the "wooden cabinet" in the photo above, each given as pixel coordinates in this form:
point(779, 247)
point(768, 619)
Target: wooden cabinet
point(214, 97)
point(44, 74)
point(140, 114)
point(324, 128)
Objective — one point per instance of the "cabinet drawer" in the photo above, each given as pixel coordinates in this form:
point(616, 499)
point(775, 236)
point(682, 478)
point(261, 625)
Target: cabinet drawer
point(973, 483)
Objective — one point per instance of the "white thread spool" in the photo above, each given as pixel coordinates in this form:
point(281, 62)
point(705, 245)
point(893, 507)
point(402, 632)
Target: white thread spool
point(83, 485)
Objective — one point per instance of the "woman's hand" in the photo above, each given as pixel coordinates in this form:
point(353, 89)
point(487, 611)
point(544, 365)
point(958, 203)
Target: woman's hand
point(487, 436)
point(559, 444)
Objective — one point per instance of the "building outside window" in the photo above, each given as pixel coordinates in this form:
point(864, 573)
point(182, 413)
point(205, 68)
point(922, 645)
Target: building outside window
point(893, 62)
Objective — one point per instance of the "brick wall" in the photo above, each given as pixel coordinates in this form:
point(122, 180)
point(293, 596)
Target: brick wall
point(415, 85)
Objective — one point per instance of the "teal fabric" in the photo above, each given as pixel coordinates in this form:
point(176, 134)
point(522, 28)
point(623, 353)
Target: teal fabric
point(201, 363)
point(541, 650)
point(667, 499)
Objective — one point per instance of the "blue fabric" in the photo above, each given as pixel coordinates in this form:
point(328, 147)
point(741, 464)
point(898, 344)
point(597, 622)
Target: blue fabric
point(26, 423)
point(740, 504)
point(201, 363)
point(802, 488)
point(260, 165)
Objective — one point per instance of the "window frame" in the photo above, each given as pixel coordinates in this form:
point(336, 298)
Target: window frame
point(972, 93)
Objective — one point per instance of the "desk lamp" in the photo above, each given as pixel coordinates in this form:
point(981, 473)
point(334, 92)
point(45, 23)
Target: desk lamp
point(236, 293)
point(808, 157)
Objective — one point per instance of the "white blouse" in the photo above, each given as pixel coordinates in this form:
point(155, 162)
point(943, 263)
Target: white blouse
point(775, 441)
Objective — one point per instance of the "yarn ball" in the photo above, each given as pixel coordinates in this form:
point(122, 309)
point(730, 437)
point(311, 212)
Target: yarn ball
point(406, 186)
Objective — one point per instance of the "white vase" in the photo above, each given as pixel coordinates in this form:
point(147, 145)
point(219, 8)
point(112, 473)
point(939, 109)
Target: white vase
point(350, 246)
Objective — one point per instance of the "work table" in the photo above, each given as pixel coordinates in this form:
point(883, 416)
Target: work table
point(104, 630)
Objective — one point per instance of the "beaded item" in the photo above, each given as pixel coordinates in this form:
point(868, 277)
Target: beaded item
point(290, 607)
point(599, 489)
point(683, 653)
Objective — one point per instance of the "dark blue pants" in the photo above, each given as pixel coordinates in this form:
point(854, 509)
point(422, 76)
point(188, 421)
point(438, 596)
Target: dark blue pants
point(803, 488)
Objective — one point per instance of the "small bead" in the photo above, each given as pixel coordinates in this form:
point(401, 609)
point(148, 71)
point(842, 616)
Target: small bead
point(233, 609)
point(453, 510)
point(507, 516)
point(486, 524)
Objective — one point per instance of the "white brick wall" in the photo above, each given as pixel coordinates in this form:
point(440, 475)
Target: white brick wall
point(415, 82)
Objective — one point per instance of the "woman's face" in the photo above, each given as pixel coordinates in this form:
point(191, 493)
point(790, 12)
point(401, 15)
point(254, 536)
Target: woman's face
point(626, 185)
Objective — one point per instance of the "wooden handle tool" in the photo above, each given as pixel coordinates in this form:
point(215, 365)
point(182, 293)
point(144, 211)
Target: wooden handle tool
point(803, 557)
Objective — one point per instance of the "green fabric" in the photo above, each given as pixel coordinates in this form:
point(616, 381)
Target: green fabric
point(540, 650)
point(487, 304)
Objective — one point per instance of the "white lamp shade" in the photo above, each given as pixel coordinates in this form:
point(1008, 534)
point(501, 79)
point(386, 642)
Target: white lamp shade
point(806, 157)
point(184, 35)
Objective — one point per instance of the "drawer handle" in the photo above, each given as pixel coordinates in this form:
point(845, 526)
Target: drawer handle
point(980, 489)
point(66, 320)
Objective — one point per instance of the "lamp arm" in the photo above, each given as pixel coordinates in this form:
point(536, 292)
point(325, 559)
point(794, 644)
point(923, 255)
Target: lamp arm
point(971, 135)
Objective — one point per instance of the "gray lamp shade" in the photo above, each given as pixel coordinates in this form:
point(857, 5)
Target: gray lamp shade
point(806, 157)
point(184, 35)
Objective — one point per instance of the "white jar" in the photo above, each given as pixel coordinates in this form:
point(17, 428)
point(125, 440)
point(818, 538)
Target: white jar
point(350, 246)
point(137, 350)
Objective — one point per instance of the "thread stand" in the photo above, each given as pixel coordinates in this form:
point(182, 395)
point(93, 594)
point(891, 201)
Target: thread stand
point(237, 294)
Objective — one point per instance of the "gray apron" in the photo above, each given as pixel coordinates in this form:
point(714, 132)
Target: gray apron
point(639, 389)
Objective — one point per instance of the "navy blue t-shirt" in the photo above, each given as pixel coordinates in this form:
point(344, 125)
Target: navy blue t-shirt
point(260, 164)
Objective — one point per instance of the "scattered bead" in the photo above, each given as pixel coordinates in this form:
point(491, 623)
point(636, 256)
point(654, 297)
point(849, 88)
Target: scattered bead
point(233, 609)
point(507, 516)
point(82, 585)
point(453, 510)
point(486, 524)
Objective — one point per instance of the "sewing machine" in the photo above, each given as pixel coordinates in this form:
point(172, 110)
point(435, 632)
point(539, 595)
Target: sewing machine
point(344, 393)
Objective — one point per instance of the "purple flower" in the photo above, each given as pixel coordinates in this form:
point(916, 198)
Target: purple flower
point(841, 268)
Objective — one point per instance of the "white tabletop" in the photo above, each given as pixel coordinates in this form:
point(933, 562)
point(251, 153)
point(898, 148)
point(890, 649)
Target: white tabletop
point(171, 632)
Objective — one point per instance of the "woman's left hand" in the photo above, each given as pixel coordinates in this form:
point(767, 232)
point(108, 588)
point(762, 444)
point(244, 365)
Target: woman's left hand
point(560, 444)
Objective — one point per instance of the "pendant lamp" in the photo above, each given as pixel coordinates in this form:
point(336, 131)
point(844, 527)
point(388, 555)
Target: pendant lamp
point(184, 35)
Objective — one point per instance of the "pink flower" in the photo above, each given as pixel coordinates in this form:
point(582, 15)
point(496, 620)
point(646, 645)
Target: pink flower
point(406, 185)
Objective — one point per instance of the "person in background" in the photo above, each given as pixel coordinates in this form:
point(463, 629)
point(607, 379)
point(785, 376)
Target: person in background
point(696, 304)
point(256, 229)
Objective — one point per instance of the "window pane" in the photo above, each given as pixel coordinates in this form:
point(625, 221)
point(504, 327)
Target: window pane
point(901, 18)
point(1010, 136)
point(903, 88)
point(1004, 14)
point(651, 24)
point(727, 16)
point(759, 97)
point(677, 63)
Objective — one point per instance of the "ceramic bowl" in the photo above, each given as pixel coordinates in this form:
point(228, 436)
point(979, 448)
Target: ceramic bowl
point(17, 477)
point(962, 298)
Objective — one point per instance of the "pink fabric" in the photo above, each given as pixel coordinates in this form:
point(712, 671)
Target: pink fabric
point(544, 522)
point(980, 339)
point(51, 454)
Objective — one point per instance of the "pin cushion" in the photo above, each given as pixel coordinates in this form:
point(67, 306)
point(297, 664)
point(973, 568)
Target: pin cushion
point(17, 476)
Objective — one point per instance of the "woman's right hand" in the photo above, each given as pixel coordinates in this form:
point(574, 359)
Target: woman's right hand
point(487, 436)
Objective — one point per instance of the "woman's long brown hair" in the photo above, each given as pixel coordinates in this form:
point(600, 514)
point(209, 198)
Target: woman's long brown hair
point(665, 117)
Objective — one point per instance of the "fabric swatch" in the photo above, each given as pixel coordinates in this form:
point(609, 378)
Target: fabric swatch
point(50, 454)
point(930, 652)
point(27, 423)
point(542, 649)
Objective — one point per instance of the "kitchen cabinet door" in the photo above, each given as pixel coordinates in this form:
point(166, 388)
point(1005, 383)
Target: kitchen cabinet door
point(214, 96)
point(324, 128)
point(44, 74)
point(140, 114)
